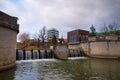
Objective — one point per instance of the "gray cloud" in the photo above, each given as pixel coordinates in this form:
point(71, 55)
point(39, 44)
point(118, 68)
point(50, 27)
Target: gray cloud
point(71, 13)
point(65, 15)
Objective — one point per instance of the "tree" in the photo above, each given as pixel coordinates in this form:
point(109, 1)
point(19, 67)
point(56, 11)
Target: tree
point(43, 36)
point(54, 41)
point(40, 37)
point(104, 28)
point(37, 38)
point(93, 30)
point(25, 40)
point(61, 41)
point(113, 26)
point(110, 27)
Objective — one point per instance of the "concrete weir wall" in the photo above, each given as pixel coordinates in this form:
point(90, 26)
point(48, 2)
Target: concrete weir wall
point(103, 49)
point(61, 52)
point(8, 36)
point(100, 49)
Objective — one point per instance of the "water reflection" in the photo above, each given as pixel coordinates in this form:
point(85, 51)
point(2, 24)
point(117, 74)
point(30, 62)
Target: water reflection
point(92, 69)
point(51, 69)
point(7, 74)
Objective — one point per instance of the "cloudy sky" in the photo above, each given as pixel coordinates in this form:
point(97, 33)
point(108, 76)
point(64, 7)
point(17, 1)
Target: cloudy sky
point(64, 15)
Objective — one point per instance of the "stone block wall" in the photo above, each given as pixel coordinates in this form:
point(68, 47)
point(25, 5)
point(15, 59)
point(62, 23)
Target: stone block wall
point(92, 38)
point(114, 48)
point(100, 49)
point(61, 52)
point(73, 47)
point(85, 47)
point(103, 49)
point(112, 37)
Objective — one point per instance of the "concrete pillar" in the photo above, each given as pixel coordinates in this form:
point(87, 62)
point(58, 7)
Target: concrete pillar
point(8, 35)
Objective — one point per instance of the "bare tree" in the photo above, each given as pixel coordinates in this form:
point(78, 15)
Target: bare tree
point(43, 36)
point(40, 37)
point(25, 40)
point(37, 38)
point(104, 28)
point(111, 27)
point(115, 26)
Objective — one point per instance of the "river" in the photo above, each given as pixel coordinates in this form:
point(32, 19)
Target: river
point(72, 69)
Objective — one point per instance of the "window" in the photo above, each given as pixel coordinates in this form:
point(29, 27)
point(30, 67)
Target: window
point(72, 38)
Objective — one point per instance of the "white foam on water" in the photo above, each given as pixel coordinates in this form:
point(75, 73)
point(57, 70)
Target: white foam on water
point(96, 78)
point(74, 58)
point(36, 60)
point(53, 59)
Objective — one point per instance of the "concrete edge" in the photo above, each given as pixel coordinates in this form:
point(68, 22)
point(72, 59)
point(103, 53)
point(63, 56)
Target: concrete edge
point(8, 66)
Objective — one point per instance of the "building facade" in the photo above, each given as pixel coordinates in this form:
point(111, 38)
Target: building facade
point(52, 32)
point(8, 40)
point(77, 36)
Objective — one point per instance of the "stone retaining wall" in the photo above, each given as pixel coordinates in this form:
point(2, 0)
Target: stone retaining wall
point(105, 49)
point(100, 49)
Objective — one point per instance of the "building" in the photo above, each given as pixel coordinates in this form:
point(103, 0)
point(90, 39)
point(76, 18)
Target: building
point(77, 36)
point(52, 32)
point(65, 41)
point(9, 29)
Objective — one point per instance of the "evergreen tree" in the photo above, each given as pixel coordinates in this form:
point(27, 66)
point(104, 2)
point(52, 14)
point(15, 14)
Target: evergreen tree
point(54, 41)
point(93, 30)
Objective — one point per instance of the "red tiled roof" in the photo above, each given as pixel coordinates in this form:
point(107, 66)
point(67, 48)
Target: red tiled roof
point(65, 40)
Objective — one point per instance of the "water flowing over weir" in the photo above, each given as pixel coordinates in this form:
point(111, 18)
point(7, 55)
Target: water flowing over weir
point(33, 54)
point(76, 53)
point(44, 54)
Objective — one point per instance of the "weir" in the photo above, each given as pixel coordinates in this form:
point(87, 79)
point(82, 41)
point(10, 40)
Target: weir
point(76, 53)
point(44, 54)
point(33, 54)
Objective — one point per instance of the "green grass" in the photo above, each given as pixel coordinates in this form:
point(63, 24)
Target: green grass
point(107, 33)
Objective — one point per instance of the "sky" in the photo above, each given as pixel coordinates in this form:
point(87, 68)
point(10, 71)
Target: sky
point(64, 15)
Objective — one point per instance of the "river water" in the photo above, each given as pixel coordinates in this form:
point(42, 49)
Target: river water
point(72, 69)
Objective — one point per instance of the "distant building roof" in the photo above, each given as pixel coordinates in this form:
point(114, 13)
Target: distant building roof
point(53, 32)
point(52, 29)
point(80, 31)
